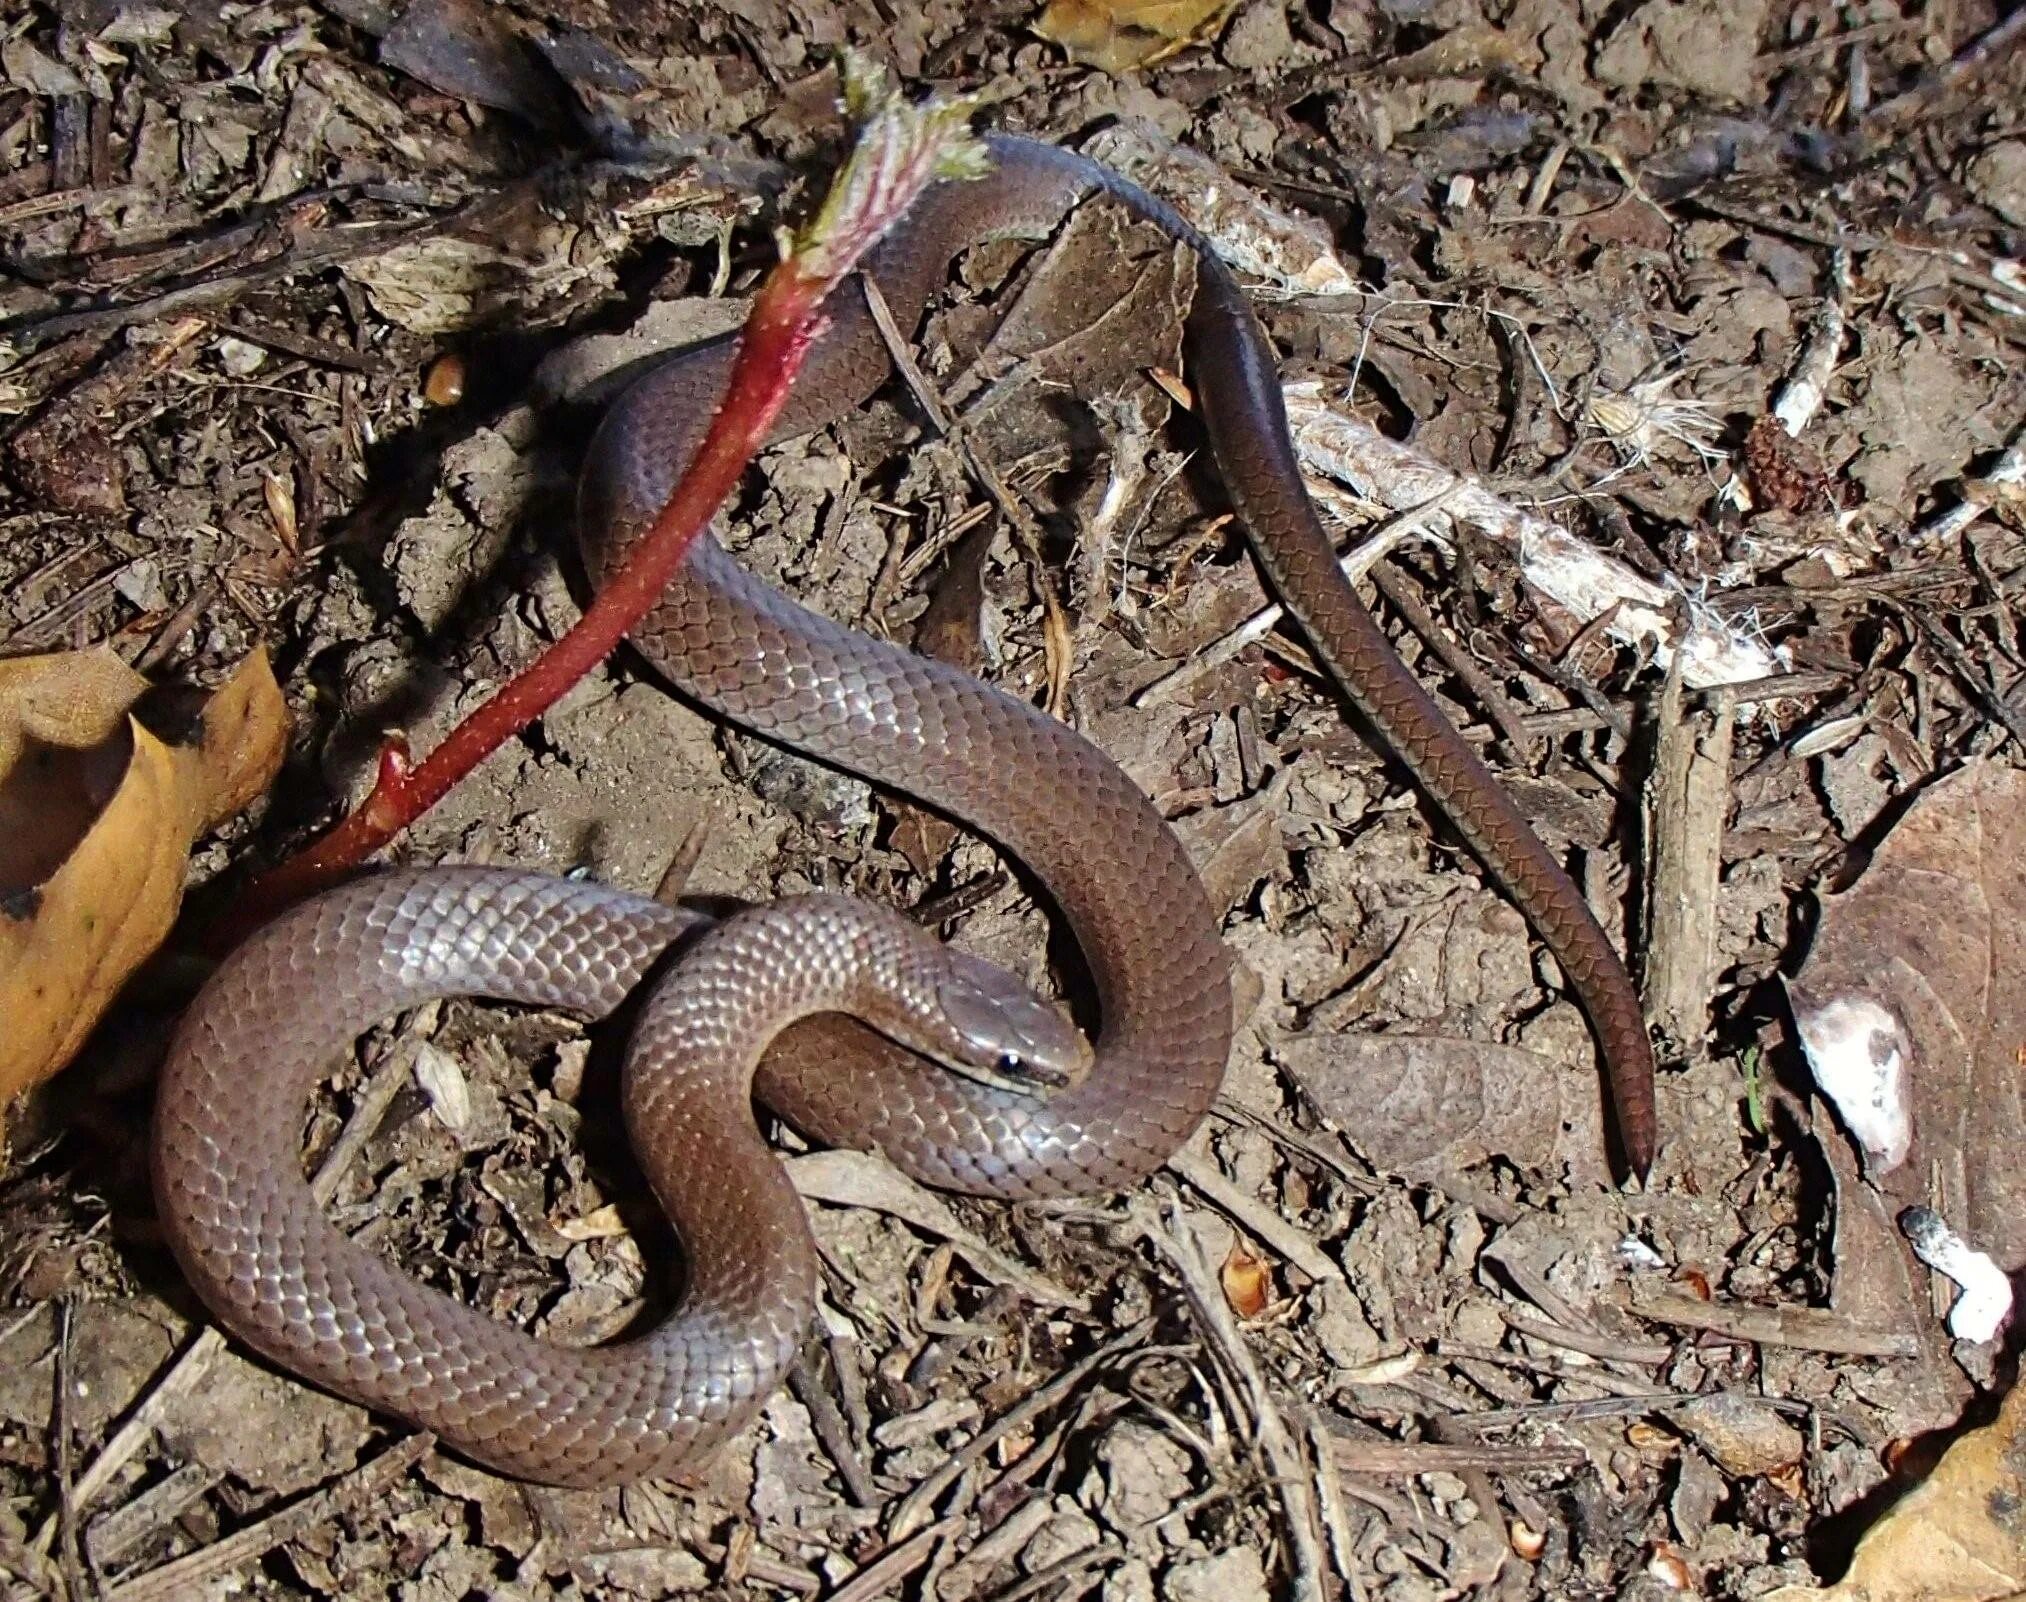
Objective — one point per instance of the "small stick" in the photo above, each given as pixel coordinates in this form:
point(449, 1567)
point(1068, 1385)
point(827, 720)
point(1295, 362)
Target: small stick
point(1405, 1459)
point(1605, 1407)
point(1329, 1490)
point(377, 1095)
point(1062, 1569)
point(1689, 802)
point(186, 1575)
point(69, 1547)
point(1410, 524)
point(1264, 1223)
point(1611, 1350)
point(914, 1507)
point(832, 1433)
point(121, 1531)
point(1808, 1329)
point(2006, 481)
point(1058, 638)
point(1589, 1374)
point(1414, 612)
point(760, 1566)
point(1175, 1241)
point(1936, 81)
point(891, 1566)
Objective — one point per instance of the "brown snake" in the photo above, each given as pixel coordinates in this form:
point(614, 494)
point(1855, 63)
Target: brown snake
point(241, 1217)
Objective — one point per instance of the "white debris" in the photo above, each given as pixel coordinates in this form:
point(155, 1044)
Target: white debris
point(1986, 1302)
point(1801, 396)
point(1858, 1052)
point(2004, 485)
point(1335, 441)
point(1636, 1255)
point(1251, 235)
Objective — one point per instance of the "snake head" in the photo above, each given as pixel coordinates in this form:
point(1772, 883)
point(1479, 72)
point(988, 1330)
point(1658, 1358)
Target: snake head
point(1000, 1033)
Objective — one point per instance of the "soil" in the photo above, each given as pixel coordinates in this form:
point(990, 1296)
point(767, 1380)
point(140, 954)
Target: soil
point(302, 323)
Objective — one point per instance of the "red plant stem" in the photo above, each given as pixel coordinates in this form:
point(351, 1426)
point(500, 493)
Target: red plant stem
point(784, 322)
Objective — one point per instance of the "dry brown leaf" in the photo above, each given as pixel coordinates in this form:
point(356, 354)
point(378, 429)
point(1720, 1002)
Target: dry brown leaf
point(1960, 1536)
point(1124, 35)
point(1410, 1101)
point(97, 814)
point(1916, 968)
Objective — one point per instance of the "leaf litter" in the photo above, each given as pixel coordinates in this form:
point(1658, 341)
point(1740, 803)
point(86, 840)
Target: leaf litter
point(1466, 1363)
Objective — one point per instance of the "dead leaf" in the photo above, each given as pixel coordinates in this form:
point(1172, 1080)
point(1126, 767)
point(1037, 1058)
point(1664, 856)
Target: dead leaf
point(865, 1179)
point(97, 814)
point(1119, 36)
point(1960, 1536)
point(466, 48)
point(1238, 845)
point(1873, 1284)
point(1918, 963)
point(1406, 1101)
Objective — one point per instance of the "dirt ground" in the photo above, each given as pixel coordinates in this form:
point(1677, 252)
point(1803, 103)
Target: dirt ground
point(300, 334)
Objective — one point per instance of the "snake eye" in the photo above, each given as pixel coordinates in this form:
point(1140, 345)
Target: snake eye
point(1011, 1062)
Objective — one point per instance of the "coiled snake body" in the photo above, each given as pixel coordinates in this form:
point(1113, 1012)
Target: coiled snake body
point(240, 1215)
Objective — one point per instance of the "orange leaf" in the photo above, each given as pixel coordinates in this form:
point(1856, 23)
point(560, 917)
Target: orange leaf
point(1119, 36)
point(97, 815)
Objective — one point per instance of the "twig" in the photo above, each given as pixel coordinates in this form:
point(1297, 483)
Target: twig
point(868, 1179)
point(1688, 803)
point(318, 248)
point(1575, 576)
point(1612, 1350)
point(1965, 63)
point(1263, 1222)
point(2005, 482)
point(139, 1426)
point(1603, 1407)
point(1330, 1504)
point(111, 1538)
point(759, 1566)
point(1058, 639)
point(1593, 1375)
point(1412, 523)
point(1415, 613)
point(69, 1547)
point(1980, 688)
point(1579, 720)
point(913, 1508)
point(1062, 1569)
point(1808, 1329)
point(1405, 1459)
point(1950, 259)
point(48, 626)
point(832, 1433)
point(1175, 1241)
point(963, 1578)
point(1330, 1155)
point(1807, 383)
point(375, 1097)
point(895, 1564)
point(187, 1575)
